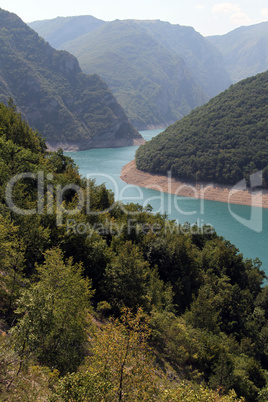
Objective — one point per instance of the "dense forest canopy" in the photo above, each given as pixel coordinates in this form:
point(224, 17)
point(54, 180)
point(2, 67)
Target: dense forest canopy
point(175, 313)
point(223, 141)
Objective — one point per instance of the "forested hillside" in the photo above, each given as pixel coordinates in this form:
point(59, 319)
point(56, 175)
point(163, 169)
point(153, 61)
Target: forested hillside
point(158, 72)
point(223, 141)
point(245, 50)
point(67, 107)
point(104, 301)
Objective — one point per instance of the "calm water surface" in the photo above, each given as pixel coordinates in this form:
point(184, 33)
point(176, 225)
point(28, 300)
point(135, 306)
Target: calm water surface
point(244, 226)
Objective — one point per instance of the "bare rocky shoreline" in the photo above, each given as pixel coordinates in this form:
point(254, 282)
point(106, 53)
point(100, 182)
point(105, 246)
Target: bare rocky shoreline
point(69, 146)
point(208, 191)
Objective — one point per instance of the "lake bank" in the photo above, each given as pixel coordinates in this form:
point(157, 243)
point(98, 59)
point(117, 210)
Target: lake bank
point(207, 191)
point(92, 143)
point(237, 223)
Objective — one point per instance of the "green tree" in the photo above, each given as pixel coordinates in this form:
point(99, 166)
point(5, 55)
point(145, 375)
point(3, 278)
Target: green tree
point(53, 314)
point(11, 267)
point(129, 281)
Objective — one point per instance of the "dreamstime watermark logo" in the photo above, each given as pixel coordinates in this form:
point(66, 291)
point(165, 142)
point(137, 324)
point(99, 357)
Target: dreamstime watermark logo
point(51, 199)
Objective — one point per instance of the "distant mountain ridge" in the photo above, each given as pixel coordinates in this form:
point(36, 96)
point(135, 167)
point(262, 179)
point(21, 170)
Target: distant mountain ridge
point(64, 29)
point(158, 72)
point(70, 109)
point(203, 60)
point(245, 50)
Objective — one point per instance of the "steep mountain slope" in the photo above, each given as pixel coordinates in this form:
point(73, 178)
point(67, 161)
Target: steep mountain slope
point(157, 71)
point(69, 108)
point(245, 50)
point(224, 140)
point(63, 29)
point(204, 61)
point(154, 86)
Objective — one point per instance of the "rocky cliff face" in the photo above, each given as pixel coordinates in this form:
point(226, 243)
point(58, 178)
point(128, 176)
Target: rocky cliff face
point(70, 109)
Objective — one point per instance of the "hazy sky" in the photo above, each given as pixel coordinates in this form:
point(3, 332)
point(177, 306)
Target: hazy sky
point(208, 17)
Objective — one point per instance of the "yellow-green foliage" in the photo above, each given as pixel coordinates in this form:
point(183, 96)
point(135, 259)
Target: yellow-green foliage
point(187, 392)
point(123, 368)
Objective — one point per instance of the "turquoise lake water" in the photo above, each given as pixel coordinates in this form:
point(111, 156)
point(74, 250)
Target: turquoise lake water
point(245, 227)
